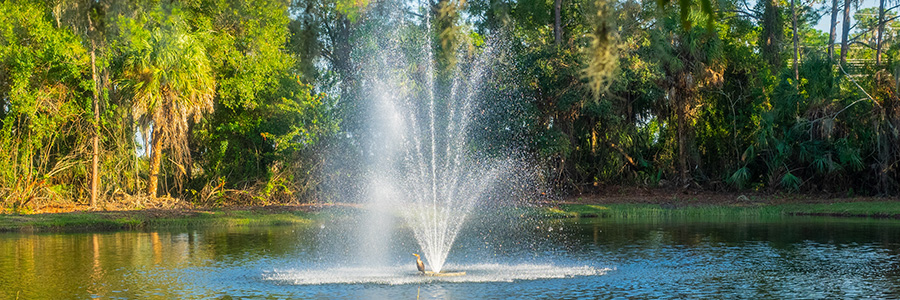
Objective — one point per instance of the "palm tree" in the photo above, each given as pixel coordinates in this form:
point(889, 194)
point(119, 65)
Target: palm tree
point(169, 76)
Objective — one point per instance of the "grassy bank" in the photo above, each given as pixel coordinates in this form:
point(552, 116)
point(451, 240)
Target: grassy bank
point(287, 215)
point(140, 219)
point(880, 209)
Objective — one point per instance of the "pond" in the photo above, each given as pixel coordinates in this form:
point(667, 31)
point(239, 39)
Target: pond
point(791, 257)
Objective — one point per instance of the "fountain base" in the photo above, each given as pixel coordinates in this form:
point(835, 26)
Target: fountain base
point(443, 274)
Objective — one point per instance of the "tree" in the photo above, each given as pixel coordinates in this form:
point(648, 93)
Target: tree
point(689, 58)
point(873, 31)
point(167, 71)
point(557, 22)
point(845, 38)
point(772, 34)
point(885, 16)
point(42, 108)
point(95, 139)
point(833, 28)
point(495, 14)
point(796, 39)
point(83, 18)
point(325, 29)
point(880, 32)
point(265, 118)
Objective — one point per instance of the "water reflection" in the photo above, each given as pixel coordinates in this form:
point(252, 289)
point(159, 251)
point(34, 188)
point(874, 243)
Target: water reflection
point(83, 265)
point(600, 258)
point(791, 258)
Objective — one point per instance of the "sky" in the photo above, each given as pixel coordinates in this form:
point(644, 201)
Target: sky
point(825, 21)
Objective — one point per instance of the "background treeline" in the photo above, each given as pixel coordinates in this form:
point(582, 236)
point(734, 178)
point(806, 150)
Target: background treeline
point(241, 102)
point(210, 95)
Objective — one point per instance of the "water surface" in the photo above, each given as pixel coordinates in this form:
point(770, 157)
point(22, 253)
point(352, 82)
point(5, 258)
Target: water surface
point(797, 257)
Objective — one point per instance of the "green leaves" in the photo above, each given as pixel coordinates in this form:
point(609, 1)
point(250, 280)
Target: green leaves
point(791, 182)
point(266, 117)
point(44, 83)
point(602, 54)
point(353, 9)
point(739, 178)
point(685, 8)
point(301, 118)
point(610, 103)
point(247, 46)
point(166, 68)
point(168, 74)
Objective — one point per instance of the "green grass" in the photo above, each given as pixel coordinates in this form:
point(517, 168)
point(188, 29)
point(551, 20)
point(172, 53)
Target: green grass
point(869, 209)
point(234, 218)
point(138, 220)
point(846, 209)
point(654, 211)
point(74, 220)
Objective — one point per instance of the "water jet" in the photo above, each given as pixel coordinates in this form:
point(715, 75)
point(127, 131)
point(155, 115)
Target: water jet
point(421, 161)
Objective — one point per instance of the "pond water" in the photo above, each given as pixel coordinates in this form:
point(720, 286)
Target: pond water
point(796, 257)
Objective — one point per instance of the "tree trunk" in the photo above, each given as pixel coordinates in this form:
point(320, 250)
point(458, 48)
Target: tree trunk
point(680, 99)
point(682, 141)
point(341, 58)
point(878, 38)
point(845, 46)
point(557, 22)
point(833, 33)
point(155, 160)
point(796, 44)
point(897, 77)
point(95, 140)
point(772, 34)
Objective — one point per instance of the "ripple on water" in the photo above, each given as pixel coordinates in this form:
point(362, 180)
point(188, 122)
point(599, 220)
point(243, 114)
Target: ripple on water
point(401, 274)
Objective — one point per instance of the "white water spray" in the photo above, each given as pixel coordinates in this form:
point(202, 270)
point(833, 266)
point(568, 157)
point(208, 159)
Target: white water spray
point(422, 147)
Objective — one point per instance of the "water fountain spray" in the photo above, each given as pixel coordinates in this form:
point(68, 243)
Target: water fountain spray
point(423, 161)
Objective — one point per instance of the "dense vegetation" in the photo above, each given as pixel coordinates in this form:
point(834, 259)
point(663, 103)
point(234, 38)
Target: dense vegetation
point(241, 101)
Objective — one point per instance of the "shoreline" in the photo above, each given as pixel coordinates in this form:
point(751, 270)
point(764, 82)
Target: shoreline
point(86, 220)
point(659, 202)
point(622, 203)
point(848, 210)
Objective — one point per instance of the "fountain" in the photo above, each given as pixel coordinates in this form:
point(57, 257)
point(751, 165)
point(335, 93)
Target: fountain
point(415, 157)
point(422, 161)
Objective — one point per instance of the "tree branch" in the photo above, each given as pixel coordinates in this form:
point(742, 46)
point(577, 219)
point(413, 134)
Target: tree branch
point(874, 28)
point(858, 86)
point(751, 14)
point(414, 14)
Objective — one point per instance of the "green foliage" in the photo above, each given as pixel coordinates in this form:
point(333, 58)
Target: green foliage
point(266, 120)
point(252, 141)
point(637, 92)
point(739, 178)
point(246, 45)
point(43, 106)
point(602, 54)
point(167, 73)
point(790, 182)
point(771, 37)
point(165, 69)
